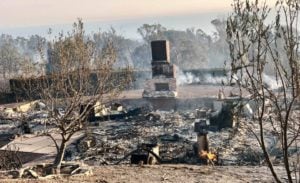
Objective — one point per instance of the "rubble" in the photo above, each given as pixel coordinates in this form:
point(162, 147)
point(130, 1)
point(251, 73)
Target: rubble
point(35, 105)
point(86, 143)
point(145, 154)
point(110, 140)
point(182, 136)
point(22, 109)
point(176, 134)
point(114, 140)
point(114, 111)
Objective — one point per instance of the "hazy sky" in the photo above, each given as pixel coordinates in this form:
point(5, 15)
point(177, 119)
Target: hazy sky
point(33, 13)
point(42, 12)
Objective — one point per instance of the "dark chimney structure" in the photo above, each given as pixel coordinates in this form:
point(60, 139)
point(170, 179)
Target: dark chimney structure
point(163, 82)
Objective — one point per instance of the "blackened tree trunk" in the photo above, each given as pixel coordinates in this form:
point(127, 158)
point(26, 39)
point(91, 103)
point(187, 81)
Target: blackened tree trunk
point(60, 156)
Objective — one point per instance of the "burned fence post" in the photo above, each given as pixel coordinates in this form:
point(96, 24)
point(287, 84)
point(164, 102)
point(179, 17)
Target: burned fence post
point(202, 145)
point(201, 126)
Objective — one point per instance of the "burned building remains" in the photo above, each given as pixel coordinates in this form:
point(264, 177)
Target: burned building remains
point(163, 82)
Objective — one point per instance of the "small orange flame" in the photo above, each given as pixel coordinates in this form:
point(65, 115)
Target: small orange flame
point(208, 155)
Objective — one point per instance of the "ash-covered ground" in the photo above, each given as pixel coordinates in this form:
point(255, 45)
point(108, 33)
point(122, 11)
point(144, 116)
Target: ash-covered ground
point(105, 144)
point(174, 133)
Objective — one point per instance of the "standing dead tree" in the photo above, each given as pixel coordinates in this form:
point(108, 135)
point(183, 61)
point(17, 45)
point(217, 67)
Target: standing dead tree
point(80, 76)
point(260, 50)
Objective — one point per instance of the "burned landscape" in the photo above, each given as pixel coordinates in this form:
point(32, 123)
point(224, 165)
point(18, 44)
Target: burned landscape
point(173, 106)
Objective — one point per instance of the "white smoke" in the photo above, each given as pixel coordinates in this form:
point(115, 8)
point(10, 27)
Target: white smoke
point(271, 82)
point(209, 79)
point(186, 78)
point(190, 78)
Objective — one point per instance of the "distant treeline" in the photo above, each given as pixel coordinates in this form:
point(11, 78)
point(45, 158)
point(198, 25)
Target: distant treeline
point(190, 49)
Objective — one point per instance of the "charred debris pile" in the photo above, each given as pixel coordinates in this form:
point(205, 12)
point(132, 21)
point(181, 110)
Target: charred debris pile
point(125, 135)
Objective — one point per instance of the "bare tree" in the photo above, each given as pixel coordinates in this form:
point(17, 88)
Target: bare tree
point(80, 76)
point(261, 49)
